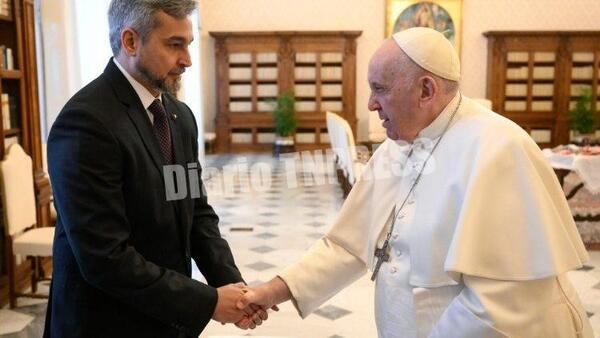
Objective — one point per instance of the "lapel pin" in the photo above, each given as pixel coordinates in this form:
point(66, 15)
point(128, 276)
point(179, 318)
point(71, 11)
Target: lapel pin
point(174, 116)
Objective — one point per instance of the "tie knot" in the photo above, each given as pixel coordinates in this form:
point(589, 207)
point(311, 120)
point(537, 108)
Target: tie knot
point(157, 109)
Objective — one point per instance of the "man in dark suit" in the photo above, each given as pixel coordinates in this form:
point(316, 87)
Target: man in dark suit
point(123, 250)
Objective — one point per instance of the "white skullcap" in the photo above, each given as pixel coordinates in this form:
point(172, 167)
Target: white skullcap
point(431, 50)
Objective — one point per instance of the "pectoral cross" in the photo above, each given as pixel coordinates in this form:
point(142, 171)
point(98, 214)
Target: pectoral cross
point(382, 256)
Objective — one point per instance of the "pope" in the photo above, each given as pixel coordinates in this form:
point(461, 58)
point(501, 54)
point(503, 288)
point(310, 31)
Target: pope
point(459, 217)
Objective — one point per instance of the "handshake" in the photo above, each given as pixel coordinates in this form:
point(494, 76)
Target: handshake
point(247, 307)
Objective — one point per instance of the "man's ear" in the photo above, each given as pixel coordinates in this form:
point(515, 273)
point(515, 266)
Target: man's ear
point(429, 88)
point(129, 41)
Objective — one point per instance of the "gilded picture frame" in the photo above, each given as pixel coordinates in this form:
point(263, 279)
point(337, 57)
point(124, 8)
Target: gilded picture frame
point(443, 15)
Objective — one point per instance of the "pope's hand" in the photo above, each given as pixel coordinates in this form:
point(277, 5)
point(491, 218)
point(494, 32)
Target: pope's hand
point(261, 295)
point(266, 295)
point(255, 315)
point(254, 299)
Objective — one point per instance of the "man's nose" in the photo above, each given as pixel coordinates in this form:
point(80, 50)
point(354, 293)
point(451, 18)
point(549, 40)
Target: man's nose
point(186, 59)
point(373, 104)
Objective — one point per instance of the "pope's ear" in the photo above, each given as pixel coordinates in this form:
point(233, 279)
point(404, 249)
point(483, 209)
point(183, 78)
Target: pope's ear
point(429, 88)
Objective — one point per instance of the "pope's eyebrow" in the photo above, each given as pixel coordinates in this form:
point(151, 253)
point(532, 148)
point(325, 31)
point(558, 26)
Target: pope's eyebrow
point(375, 84)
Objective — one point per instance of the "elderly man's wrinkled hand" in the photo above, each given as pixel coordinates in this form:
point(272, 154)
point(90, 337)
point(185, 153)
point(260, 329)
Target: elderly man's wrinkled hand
point(255, 311)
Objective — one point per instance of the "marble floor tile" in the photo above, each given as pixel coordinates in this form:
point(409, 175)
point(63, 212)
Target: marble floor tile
point(13, 321)
point(332, 312)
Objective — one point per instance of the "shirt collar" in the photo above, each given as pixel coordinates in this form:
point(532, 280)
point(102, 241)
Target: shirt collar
point(435, 128)
point(144, 94)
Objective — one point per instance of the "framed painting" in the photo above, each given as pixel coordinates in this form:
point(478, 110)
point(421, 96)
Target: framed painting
point(442, 15)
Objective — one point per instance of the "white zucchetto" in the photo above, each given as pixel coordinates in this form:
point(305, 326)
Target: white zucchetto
point(431, 50)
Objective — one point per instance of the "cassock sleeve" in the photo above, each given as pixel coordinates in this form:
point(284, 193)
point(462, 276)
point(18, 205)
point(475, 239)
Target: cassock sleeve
point(324, 270)
point(497, 308)
point(347, 250)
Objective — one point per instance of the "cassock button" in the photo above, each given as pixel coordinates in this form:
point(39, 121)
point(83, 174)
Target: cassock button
point(395, 236)
point(393, 269)
point(401, 216)
point(410, 201)
point(398, 253)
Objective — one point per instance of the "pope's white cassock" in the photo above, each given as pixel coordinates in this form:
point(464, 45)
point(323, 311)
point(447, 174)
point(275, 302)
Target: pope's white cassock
point(480, 249)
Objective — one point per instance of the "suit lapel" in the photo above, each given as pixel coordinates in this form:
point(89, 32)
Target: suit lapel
point(136, 111)
point(180, 158)
point(144, 128)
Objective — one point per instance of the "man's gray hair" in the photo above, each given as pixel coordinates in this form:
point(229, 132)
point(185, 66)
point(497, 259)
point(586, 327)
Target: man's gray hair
point(139, 15)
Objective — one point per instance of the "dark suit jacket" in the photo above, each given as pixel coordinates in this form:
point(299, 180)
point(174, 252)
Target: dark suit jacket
point(122, 252)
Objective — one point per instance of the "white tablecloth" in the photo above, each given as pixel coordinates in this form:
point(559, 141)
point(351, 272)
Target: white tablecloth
point(587, 167)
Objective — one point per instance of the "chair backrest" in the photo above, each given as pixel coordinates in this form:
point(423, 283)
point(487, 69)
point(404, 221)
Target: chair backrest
point(343, 144)
point(349, 136)
point(332, 131)
point(18, 194)
point(351, 149)
point(336, 136)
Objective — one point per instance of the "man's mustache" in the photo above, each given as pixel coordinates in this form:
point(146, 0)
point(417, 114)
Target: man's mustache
point(178, 71)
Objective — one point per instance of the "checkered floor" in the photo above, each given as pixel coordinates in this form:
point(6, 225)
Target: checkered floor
point(269, 225)
point(271, 229)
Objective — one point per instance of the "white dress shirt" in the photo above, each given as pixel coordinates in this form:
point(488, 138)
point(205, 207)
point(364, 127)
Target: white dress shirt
point(144, 94)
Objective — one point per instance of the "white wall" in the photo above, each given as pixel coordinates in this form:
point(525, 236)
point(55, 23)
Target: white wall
point(268, 15)
point(369, 16)
point(191, 89)
point(75, 48)
point(92, 38)
point(61, 61)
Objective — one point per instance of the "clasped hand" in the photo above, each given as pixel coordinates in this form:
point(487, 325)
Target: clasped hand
point(239, 304)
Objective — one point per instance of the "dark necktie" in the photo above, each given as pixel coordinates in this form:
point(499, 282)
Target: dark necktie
point(161, 130)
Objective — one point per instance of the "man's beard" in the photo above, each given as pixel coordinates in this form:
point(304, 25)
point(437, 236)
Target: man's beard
point(162, 84)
